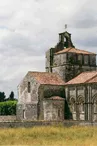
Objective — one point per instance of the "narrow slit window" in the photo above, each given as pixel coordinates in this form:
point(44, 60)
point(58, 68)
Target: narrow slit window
point(24, 115)
point(29, 88)
point(58, 112)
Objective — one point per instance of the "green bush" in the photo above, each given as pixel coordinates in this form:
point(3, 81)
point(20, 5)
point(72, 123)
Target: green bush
point(8, 108)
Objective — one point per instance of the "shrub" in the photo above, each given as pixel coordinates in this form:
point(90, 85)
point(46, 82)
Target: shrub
point(8, 108)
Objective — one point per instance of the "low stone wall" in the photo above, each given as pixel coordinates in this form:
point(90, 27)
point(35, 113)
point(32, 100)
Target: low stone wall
point(27, 124)
point(7, 118)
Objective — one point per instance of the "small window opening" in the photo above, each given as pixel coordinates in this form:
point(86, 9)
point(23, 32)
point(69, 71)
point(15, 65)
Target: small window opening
point(58, 112)
point(24, 115)
point(29, 87)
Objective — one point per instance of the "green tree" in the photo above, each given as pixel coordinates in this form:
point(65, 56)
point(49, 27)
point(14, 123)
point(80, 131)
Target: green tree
point(11, 96)
point(2, 96)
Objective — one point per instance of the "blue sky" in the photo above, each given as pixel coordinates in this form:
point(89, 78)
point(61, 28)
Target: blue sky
point(28, 28)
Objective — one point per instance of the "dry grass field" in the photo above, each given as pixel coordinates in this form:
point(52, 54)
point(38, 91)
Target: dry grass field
point(49, 136)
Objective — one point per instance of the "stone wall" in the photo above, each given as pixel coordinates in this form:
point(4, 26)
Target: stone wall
point(93, 89)
point(76, 91)
point(27, 124)
point(93, 100)
point(30, 104)
point(68, 65)
point(75, 97)
point(49, 60)
point(7, 118)
point(61, 71)
point(45, 92)
point(93, 60)
point(25, 96)
point(27, 112)
point(53, 109)
point(59, 60)
point(82, 101)
point(28, 100)
point(67, 71)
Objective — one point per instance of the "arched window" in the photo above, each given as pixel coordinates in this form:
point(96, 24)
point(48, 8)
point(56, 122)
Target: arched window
point(95, 105)
point(81, 104)
point(73, 105)
point(82, 107)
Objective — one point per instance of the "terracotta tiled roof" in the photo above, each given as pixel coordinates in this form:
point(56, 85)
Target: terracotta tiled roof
point(74, 50)
point(47, 78)
point(56, 98)
point(93, 80)
point(85, 77)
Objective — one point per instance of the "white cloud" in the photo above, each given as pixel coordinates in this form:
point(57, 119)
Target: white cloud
point(30, 27)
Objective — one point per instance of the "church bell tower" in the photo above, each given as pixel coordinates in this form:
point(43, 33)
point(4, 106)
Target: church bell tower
point(68, 61)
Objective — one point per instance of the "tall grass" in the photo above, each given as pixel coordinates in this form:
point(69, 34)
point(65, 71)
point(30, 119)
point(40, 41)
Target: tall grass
point(50, 136)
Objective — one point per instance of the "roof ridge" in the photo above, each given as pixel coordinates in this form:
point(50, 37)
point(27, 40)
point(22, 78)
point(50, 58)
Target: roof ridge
point(69, 49)
point(41, 72)
point(74, 50)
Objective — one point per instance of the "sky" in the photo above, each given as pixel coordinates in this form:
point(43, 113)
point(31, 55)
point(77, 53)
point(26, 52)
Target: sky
point(28, 28)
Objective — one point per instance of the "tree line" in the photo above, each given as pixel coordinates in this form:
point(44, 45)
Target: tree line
point(7, 105)
point(3, 97)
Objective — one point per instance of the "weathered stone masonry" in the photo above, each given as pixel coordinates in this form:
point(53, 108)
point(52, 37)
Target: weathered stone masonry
point(63, 91)
point(69, 62)
point(81, 96)
point(41, 97)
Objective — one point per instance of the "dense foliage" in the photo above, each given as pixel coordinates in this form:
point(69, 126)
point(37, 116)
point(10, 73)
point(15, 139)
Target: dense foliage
point(8, 108)
point(2, 96)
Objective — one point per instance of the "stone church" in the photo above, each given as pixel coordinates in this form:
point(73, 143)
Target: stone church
point(67, 90)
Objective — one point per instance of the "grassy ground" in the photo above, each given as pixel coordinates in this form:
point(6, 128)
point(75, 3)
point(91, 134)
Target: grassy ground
point(50, 136)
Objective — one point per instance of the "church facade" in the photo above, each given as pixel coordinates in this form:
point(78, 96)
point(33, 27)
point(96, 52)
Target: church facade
point(68, 88)
point(81, 97)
